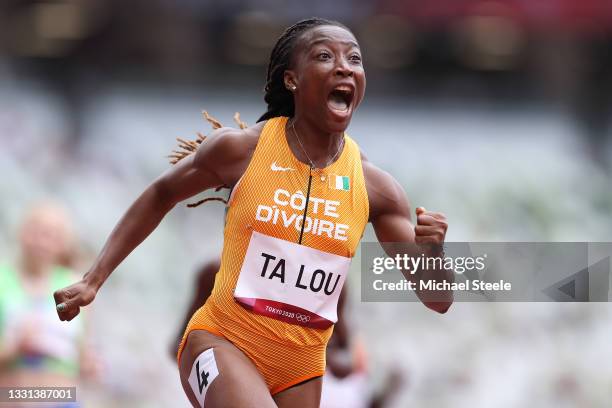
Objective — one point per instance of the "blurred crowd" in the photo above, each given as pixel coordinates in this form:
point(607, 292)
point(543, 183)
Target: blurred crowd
point(552, 51)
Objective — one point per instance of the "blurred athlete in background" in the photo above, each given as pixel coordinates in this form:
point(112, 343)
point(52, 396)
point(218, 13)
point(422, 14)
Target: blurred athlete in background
point(37, 350)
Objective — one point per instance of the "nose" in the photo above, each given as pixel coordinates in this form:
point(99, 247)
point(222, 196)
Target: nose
point(343, 68)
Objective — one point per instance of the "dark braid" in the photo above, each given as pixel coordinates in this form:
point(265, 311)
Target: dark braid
point(278, 97)
point(188, 147)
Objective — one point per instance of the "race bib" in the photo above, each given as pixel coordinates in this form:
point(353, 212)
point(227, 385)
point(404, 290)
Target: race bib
point(291, 282)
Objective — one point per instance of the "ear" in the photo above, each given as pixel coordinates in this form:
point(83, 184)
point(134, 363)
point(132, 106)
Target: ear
point(290, 80)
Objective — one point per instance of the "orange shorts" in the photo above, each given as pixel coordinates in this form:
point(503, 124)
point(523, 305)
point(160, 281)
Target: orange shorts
point(282, 364)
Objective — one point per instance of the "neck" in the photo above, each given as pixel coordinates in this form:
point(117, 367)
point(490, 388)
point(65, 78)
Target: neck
point(32, 268)
point(321, 146)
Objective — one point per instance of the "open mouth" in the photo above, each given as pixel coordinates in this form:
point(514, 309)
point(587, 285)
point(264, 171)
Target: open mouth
point(340, 98)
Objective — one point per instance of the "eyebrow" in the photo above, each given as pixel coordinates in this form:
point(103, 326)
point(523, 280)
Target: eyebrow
point(327, 39)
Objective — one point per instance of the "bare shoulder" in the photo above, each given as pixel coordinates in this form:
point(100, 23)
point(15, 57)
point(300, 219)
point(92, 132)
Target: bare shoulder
point(227, 151)
point(228, 143)
point(385, 194)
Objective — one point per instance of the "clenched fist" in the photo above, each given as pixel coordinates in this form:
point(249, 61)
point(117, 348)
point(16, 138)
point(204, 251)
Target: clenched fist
point(69, 300)
point(430, 228)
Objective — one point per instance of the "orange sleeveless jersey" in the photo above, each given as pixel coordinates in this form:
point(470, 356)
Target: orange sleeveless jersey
point(266, 201)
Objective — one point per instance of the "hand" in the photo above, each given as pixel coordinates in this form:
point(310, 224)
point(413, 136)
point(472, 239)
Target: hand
point(431, 227)
point(92, 367)
point(69, 300)
point(340, 362)
point(27, 340)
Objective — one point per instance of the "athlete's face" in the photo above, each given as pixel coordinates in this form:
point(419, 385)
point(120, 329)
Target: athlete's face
point(328, 74)
point(45, 235)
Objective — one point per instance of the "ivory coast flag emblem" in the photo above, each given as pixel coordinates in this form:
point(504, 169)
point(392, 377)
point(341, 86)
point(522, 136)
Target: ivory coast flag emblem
point(339, 182)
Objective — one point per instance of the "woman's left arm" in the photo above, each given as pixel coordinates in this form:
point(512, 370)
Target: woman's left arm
point(390, 216)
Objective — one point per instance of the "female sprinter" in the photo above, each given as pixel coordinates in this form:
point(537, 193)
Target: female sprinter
point(302, 194)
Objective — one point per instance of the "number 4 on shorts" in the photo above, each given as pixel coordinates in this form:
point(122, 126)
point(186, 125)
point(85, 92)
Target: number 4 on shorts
point(203, 373)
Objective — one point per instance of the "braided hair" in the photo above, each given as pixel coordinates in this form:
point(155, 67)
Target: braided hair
point(278, 97)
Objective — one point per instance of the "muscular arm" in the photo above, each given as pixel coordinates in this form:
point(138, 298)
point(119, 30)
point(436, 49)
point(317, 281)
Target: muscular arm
point(390, 216)
point(219, 160)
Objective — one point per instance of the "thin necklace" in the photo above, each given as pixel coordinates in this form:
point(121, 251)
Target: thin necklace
point(312, 166)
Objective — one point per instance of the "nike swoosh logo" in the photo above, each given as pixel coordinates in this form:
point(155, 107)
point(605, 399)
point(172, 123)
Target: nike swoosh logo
point(275, 167)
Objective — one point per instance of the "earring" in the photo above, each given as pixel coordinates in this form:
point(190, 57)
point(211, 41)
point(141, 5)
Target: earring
point(293, 87)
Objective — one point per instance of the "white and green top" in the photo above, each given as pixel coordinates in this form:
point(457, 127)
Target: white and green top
point(57, 343)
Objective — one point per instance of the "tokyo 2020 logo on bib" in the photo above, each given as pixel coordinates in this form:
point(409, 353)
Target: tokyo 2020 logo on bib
point(291, 282)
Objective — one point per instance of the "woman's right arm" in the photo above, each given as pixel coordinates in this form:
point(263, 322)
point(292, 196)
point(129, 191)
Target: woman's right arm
point(214, 163)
